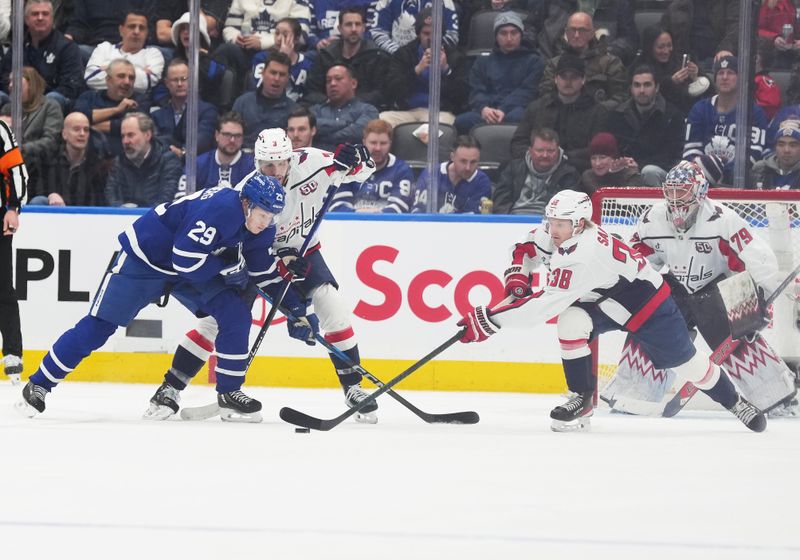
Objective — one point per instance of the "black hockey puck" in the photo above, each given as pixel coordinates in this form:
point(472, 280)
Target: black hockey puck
point(302, 430)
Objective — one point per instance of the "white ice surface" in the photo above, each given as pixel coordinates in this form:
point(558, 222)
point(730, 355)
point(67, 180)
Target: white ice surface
point(90, 480)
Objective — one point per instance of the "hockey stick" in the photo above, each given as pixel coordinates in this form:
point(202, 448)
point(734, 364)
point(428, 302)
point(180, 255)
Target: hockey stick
point(467, 417)
point(720, 354)
point(298, 418)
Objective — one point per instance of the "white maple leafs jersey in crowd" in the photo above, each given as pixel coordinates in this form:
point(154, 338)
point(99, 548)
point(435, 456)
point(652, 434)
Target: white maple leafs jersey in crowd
point(310, 175)
point(592, 266)
point(719, 243)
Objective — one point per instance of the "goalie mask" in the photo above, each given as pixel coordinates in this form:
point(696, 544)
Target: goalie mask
point(684, 189)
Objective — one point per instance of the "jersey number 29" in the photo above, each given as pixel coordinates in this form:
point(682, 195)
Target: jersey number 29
point(202, 234)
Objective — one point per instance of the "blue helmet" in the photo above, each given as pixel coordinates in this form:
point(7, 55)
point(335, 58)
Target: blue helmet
point(265, 192)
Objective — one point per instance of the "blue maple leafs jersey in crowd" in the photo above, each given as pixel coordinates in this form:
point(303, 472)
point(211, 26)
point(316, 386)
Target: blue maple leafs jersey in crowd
point(186, 238)
point(713, 133)
point(389, 190)
point(298, 75)
point(211, 174)
point(462, 198)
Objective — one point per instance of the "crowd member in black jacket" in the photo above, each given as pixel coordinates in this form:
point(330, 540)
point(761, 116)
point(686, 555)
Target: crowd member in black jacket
point(574, 114)
point(648, 128)
point(528, 183)
point(147, 174)
point(369, 63)
point(12, 194)
point(77, 175)
point(409, 76)
point(56, 58)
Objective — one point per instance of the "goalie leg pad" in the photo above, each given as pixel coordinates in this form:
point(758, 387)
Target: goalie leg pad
point(760, 375)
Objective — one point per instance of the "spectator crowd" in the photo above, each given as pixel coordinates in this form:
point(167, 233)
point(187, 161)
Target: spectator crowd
point(574, 94)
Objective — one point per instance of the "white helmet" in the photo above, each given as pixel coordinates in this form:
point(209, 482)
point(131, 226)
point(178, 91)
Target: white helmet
point(569, 205)
point(272, 144)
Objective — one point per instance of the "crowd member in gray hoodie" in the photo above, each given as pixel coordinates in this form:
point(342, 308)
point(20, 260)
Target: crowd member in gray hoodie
point(780, 170)
point(146, 174)
point(503, 83)
point(528, 183)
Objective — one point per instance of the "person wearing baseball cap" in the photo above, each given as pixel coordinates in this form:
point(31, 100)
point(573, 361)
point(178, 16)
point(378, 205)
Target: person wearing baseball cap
point(503, 83)
point(780, 170)
point(711, 123)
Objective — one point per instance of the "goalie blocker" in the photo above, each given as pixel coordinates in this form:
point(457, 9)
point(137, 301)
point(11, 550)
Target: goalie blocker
point(758, 372)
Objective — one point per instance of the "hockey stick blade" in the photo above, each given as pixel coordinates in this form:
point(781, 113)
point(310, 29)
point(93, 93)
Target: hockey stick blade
point(468, 417)
point(682, 398)
point(193, 413)
point(298, 418)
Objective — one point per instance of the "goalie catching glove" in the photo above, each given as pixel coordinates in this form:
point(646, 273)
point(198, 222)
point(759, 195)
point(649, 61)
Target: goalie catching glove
point(478, 325)
point(292, 266)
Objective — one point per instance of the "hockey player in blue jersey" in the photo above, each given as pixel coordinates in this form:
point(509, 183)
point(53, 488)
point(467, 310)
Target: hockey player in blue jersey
point(462, 186)
point(711, 124)
point(596, 283)
point(180, 248)
point(390, 189)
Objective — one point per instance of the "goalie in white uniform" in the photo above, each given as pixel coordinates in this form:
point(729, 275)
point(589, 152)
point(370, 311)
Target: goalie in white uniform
point(306, 174)
point(597, 283)
point(702, 242)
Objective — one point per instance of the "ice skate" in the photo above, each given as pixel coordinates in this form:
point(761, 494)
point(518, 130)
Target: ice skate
point(353, 396)
point(238, 407)
point(788, 409)
point(164, 403)
point(750, 416)
point(32, 401)
point(574, 415)
point(12, 366)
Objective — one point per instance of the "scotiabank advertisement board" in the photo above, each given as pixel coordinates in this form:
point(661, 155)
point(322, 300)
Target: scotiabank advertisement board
point(406, 282)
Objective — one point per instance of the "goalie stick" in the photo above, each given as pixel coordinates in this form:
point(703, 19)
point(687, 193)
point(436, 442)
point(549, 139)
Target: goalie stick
point(467, 417)
point(688, 390)
point(298, 418)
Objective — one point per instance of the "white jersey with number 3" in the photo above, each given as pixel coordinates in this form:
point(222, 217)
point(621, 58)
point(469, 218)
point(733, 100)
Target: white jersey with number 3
point(592, 266)
point(720, 243)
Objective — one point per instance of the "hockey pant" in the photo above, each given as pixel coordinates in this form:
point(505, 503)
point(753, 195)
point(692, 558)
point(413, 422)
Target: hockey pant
point(638, 387)
point(127, 287)
point(663, 334)
point(194, 351)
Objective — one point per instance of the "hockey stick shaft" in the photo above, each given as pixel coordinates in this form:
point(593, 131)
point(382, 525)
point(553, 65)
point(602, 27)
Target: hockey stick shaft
point(298, 418)
point(286, 283)
point(721, 353)
point(467, 417)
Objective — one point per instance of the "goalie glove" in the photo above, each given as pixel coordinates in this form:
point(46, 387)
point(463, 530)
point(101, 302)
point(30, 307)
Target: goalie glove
point(304, 328)
point(478, 325)
point(291, 266)
point(517, 284)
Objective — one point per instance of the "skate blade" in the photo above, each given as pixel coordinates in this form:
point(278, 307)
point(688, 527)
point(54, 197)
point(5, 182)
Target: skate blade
point(204, 412)
point(229, 415)
point(787, 410)
point(157, 412)
point(25, 409)
point(578, 425)
point(366, 417)
point(14, 378)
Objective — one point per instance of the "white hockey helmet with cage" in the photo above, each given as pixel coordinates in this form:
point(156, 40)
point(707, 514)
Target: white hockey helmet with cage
point(272, 144)
point(569, 205)
point(685, 187)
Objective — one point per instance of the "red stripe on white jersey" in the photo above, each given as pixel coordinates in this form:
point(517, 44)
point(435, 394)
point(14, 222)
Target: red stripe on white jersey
point(340, 336)
point(573, 344)
point(734, 262)
point(637, 320)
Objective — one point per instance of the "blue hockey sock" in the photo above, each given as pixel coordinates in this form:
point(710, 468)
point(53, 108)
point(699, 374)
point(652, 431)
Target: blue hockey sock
point(723, 392)
point(347, 375)
point(578, 372)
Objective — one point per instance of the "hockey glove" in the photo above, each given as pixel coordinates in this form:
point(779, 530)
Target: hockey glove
point(479, 326)
point(291, 266)
point(363, 153)
point(517, 284)
point(345, 157)
point(236, 275)
point(304, 328)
